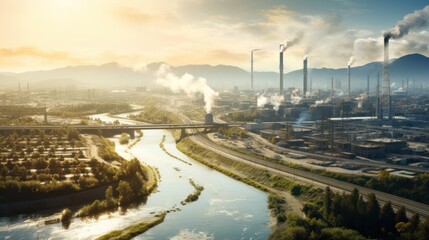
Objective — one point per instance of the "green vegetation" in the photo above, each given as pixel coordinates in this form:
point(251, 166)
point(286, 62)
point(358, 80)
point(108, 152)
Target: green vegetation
point(125, 139)
point(34, 165)
point(416, 189)
point(132, 188)
point(155, 115)
point(233, 133)
point(245, 116)
point(89, 109)
point(256, 177)
point(106, 150)
point(349, 216)
point(195, 195)
point(66, 217)
point(134, 230)
point(277, 206)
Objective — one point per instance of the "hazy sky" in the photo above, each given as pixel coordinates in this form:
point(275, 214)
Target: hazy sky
point(45, 34)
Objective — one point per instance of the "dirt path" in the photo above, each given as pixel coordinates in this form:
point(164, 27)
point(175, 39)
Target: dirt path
point(92, 151)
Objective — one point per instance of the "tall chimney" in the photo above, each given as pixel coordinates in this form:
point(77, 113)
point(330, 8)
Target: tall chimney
point(251, 70)
point(378, 102)
point(348, 75)
point(367, 85)
point(332, 86)
point(407, 87)
point(281, 69)
point(304, 86)
point(386, 79)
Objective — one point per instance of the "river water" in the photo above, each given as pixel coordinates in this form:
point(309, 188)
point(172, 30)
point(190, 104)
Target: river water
point(226, 208)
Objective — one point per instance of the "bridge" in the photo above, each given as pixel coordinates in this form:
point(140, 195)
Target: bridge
point(110, 130)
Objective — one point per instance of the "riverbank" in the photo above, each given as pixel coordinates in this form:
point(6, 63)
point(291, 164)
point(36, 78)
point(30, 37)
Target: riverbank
point(256, 177)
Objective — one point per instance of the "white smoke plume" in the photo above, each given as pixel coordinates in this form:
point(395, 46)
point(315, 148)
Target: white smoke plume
point(290, 43)
point(305, 57)
point(262, 100)
point(360, 99)
point(275, 100)
point(351, 61)
point(294, 97)
point(418, 19)
point(393, 85)
point(187, 84)
point(318, 102)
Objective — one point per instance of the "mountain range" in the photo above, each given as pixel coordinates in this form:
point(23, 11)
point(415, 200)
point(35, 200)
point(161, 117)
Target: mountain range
point(221, 77)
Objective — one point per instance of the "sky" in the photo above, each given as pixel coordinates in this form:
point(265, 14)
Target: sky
point(46, 34)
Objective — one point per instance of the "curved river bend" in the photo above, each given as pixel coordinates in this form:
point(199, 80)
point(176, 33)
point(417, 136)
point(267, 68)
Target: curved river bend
point(226, 208)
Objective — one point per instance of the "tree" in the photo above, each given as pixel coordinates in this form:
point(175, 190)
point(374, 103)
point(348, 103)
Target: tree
point(372, 217)
point(387, 218)
point(125, 193)
point(327, 203)
point(110, 200)
point(401, 215)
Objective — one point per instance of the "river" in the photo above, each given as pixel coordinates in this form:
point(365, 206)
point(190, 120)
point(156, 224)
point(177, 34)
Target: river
point(226, 208)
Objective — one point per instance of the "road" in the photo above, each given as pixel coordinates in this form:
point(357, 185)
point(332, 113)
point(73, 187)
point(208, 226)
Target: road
point(411, 206)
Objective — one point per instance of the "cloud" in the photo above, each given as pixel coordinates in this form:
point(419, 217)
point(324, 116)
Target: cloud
point(35, 53)
point(136, 16)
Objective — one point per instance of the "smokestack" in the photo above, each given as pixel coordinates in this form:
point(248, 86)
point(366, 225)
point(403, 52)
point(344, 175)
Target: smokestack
point(332, 86)
point(282, 47)
point(378, 102)
point(28, 87)
point(407, 87)
point(304, 86)
point(348, 76)
point(386, 78)
point(367, 85)
point(251, 67)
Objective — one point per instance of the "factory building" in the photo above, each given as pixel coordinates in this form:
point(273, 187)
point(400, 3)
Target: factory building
point(372, 151)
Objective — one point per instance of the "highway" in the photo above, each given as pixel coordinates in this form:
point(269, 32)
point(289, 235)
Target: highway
point(411, 206)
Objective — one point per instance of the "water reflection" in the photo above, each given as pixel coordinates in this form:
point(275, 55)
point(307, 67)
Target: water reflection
point(226, 209)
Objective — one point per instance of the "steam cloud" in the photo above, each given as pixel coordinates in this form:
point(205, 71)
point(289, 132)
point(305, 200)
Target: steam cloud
point(294, 97)
point(351, 61)
point(289, 43)
point(417, 19)
point(187, 84)
point(275, 100)
point(305, 57)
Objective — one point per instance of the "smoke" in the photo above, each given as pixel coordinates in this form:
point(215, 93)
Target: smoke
point(417, 19)
point(290, 43)
point(187, 84)
point(318, 102)
point(302, 117)
point(275, 100)
point(305, 57)
point(351, 61)
point(393, 85)
point(360, 99)
point(261, 101)
point(294, 97)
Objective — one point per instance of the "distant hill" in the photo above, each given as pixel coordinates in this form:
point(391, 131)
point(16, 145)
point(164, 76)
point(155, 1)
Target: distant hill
point(113, 75)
